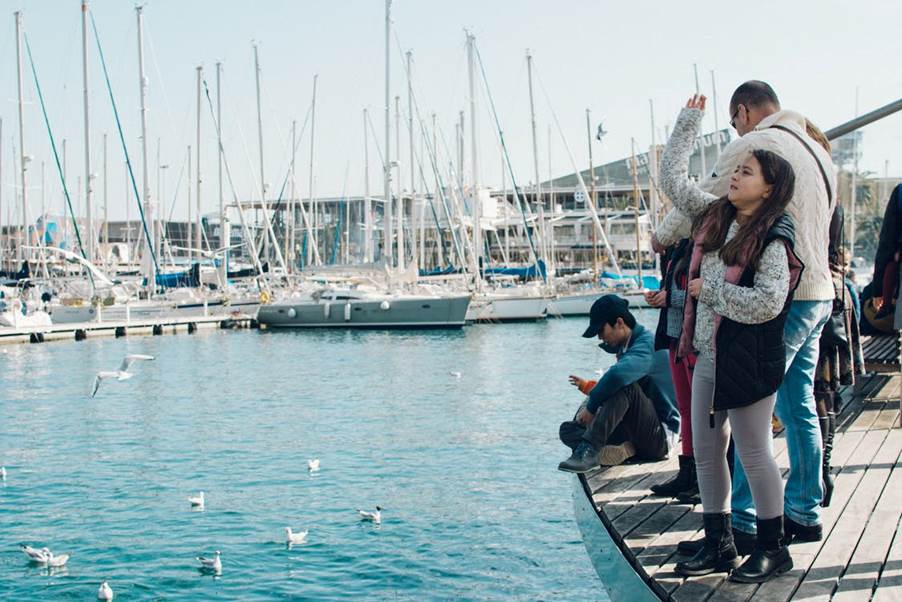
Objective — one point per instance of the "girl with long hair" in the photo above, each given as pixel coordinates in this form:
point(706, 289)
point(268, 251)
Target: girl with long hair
point(742, 274)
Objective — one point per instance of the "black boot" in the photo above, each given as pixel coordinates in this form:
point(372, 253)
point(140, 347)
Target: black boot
point(718, 553)
point(744, 542)
point(684, 480)
point(770, 558)
point(584, 459)
point(828, 426)
point(799, 533)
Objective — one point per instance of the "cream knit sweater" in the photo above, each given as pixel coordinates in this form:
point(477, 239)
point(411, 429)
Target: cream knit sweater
point(809, 207)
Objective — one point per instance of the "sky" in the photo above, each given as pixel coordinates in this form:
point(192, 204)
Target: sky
point(617, 59)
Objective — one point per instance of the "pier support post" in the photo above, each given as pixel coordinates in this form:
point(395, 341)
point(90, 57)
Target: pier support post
point(192, 327)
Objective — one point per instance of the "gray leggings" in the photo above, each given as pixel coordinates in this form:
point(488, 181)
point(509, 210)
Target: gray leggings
point(751, 427)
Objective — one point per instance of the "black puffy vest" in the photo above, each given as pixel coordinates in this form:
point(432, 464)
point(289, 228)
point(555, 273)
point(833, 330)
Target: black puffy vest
point(751, 358)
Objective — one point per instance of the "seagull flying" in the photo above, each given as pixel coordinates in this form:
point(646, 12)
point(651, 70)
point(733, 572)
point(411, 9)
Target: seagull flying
point(299, 537)
point(197, 501)
point(211, 564)
point(105, 592)
point(122, 373)
point(375, 517)
point(313, 464)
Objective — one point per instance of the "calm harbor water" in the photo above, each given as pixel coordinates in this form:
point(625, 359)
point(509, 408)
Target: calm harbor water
point(465, 467)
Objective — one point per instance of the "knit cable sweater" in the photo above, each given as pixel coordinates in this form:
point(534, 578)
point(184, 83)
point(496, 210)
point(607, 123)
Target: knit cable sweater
point(809, 207)
point(747, 305)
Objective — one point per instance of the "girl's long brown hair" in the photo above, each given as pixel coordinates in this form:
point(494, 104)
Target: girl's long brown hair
point(748, 243)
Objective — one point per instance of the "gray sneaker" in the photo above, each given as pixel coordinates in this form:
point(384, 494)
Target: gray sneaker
point(584, 459)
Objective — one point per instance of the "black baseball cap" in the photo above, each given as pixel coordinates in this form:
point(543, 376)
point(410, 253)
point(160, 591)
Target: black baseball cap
point(605, 310)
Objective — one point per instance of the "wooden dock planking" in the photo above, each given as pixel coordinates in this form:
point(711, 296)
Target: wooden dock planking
point(863, 571)
point(839, 545)
point(889, 587)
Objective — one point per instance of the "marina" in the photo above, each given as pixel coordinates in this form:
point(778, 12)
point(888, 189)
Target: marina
point(294, 302)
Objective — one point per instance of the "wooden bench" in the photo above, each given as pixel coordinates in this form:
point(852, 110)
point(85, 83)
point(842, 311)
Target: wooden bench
point(881, 353)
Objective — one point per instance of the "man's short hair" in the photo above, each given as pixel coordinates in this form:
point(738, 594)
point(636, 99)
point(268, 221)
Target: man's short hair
point(754, 93)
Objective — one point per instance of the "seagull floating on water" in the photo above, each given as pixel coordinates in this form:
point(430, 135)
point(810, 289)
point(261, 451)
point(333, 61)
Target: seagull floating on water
point(313, 465)
point(211, 564)
point(122, 373)
point(197, 501)
point(55, 561)
point(375, 517)
point(455, 374)
point(105, 592)
point(36, 555)
point(299, 537)
point(2, 473)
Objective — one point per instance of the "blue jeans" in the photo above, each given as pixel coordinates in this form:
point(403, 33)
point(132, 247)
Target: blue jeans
point(796, 410)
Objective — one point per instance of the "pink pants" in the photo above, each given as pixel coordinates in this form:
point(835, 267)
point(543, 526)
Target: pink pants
point(681, 372)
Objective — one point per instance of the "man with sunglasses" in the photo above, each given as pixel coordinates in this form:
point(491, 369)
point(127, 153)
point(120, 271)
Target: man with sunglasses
point(761, 123)
point(631, 410)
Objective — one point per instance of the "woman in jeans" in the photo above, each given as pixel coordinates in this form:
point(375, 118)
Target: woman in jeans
point(741, 276)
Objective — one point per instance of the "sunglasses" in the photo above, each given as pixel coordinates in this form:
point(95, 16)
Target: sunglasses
point(733, 118)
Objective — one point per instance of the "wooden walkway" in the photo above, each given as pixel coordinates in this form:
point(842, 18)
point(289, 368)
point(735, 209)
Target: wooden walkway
point(860, 557)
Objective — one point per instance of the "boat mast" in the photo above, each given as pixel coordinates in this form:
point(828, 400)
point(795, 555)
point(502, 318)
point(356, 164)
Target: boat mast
point(714, 105)
point(312, 215)
point(474, 160)
point(367, 204)
point(268, 232)
point(106, 214)
point(223, 239)
point(386, 166)
point(288, 215)
point(592, 205)
point(23, 162)
point(532, 120)
point(701, 138)
point(89, 188)
point(198, 234)
point(265, 234)
point(636, 200)
point(413, 185)
point(150, 268)
point(400, 207)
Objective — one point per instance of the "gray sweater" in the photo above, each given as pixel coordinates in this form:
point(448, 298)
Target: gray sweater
point(748, 305)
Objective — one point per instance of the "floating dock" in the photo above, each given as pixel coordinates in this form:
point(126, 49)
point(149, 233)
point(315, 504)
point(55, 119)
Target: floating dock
point(153, 326)
point(631, 536)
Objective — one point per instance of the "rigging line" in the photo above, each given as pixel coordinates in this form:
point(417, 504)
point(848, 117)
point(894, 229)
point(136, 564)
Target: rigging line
point(291, 164)
point(59, 166)
point(582, 184)
point(433, 156)
point(148, 238)
point(507, 160)
point(178, 185)
point(428, 195)
point(162, 82)
point(250, 239)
